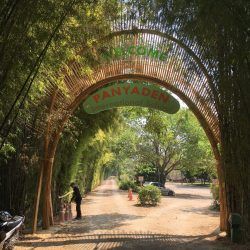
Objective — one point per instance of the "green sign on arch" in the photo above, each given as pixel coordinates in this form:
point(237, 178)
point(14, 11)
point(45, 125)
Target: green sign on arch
point(131, 93)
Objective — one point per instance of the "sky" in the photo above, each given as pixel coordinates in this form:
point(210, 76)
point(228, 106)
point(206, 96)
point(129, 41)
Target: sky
point(182, 104)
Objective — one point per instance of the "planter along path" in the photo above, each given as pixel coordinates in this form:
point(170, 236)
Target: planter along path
point(112, 222)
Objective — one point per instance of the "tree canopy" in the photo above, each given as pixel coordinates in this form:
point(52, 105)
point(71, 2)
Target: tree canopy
point(158, 143)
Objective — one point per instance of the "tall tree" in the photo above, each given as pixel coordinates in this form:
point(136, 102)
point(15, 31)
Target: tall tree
point(153, 140)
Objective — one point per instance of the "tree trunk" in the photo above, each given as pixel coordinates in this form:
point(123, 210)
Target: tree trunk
point(48, 172)
point(51, 142)
point(162, 178)
point(223, 201)
point(37, 198)
point(234, 118)
point(237, 177)
point(46, 194)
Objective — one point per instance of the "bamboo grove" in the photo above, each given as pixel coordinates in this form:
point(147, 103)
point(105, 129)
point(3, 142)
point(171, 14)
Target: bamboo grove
point(51, 59)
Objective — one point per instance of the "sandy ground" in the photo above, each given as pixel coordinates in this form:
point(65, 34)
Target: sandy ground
point(112, 222)
point(109, 208)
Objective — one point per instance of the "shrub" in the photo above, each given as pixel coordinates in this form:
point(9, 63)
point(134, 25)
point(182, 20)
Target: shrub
point(214, 188)
point(126, 184)
point(149, 195)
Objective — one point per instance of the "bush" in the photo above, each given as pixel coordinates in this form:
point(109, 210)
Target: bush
point(126, 184)
point(215, 193)
point(149, 195)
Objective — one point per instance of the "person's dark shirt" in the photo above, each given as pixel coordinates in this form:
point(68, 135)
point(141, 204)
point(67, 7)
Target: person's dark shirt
point(76, 195)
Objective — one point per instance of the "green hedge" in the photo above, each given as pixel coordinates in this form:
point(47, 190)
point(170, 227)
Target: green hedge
point(126, 184)
point(149, 195)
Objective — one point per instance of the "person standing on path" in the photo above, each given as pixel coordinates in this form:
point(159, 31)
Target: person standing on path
point(77, 198)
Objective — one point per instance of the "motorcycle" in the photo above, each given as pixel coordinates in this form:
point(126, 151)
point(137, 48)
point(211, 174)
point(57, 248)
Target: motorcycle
point(10, 227)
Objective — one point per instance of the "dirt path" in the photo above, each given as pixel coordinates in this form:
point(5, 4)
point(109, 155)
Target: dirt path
point(112, 222)
point(175, 215)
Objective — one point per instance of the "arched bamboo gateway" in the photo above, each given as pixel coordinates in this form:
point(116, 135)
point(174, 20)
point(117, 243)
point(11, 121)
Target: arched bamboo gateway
point(132, 51)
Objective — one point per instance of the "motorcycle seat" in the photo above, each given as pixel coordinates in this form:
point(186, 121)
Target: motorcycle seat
point(3, 224)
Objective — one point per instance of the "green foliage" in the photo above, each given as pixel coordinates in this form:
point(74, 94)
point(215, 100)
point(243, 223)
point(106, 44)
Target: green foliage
point(26, 28)
point(7, 150)
point(126, 184)
point(149, 172)
point(189, 175)
point(149, 195)
point(84, 150)
point(18, 173)
point(152, 144)
point(123, 146)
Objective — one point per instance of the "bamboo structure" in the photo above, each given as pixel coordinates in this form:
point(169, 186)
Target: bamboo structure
point(182, 72)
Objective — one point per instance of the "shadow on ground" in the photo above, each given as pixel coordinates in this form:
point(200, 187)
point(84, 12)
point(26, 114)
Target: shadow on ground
point(100, 222)
point(191, 186)
point(201, 210)
point(191, 196)
point(138, 240)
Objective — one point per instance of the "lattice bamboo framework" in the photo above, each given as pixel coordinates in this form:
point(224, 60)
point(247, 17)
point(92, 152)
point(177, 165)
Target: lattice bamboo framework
point(182, 72)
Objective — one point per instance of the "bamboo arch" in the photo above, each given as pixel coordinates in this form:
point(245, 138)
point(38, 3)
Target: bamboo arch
point(183, 73)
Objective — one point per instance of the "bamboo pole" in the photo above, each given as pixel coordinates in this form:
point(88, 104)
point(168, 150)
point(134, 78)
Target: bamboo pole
point(37, 199)
point(47, 201)
point(41, 172)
